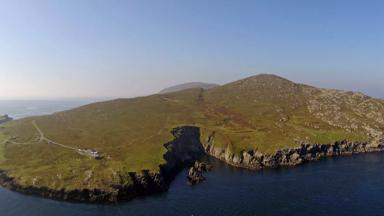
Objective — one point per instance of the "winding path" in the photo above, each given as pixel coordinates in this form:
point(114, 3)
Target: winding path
point(43, 138)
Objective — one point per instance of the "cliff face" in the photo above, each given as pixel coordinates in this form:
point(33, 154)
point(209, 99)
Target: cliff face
point(254, 160)
point(181, 152)
point(145, 183)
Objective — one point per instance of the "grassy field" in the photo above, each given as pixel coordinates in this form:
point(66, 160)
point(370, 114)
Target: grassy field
point(264, 112)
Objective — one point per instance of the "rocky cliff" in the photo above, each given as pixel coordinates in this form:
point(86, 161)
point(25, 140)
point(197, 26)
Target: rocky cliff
point(254, 160)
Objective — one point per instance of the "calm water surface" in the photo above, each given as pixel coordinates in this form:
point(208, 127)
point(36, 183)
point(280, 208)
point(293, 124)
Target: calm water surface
point(24, 108)
point(344, 186)
point(335, 186)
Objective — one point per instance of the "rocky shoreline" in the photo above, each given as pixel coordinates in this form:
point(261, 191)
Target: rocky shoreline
point(195, 172)
point(255, 160)
point(145, 183)
point(183, 151)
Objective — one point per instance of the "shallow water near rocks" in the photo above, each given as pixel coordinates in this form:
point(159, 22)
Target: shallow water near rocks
point(351, 185)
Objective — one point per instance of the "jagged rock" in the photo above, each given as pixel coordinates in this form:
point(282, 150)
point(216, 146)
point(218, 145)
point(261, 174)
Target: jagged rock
point(195, 176)
point(247, 158)
point(202, 166)
point(293, 156)
point(195, 173)
point(235, 159)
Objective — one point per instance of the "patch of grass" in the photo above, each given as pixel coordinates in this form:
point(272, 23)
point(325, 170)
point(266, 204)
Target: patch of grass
point(2, 149)
point(3, 140)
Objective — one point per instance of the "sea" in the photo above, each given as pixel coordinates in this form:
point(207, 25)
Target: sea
point(23, 108)
point(349, 185)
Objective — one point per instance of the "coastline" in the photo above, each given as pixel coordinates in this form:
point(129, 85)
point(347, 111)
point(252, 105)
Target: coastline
point(291, 157)
point(182, 152)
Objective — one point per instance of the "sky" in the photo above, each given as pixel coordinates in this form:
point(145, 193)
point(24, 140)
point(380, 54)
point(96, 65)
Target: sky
point(126, 48)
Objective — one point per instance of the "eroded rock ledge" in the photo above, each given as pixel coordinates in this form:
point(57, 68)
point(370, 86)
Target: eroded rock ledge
point(195, 172)
point(291, 156)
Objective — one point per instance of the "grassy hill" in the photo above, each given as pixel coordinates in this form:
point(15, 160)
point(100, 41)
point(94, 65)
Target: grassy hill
point(264, 113)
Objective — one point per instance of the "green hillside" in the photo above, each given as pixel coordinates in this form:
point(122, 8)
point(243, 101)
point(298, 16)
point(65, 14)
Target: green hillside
point(264, 112)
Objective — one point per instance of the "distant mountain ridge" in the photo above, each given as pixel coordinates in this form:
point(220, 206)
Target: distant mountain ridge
point(190, 85)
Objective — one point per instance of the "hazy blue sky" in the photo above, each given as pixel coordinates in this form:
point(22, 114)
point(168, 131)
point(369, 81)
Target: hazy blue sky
point(78, 48)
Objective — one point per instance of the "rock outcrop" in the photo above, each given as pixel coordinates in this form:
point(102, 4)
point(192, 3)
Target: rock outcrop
point(291, 156)
point(195, 173)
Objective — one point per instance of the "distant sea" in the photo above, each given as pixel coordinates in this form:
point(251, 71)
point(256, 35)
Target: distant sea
point(24, 108)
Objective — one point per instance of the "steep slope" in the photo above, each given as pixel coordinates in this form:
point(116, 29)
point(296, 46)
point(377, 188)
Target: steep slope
point(186, 86)
point(106, 146)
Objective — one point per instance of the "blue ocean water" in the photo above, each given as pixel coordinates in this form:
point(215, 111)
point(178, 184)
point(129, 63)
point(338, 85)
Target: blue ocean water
point(352, 185)
point(24, 108)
